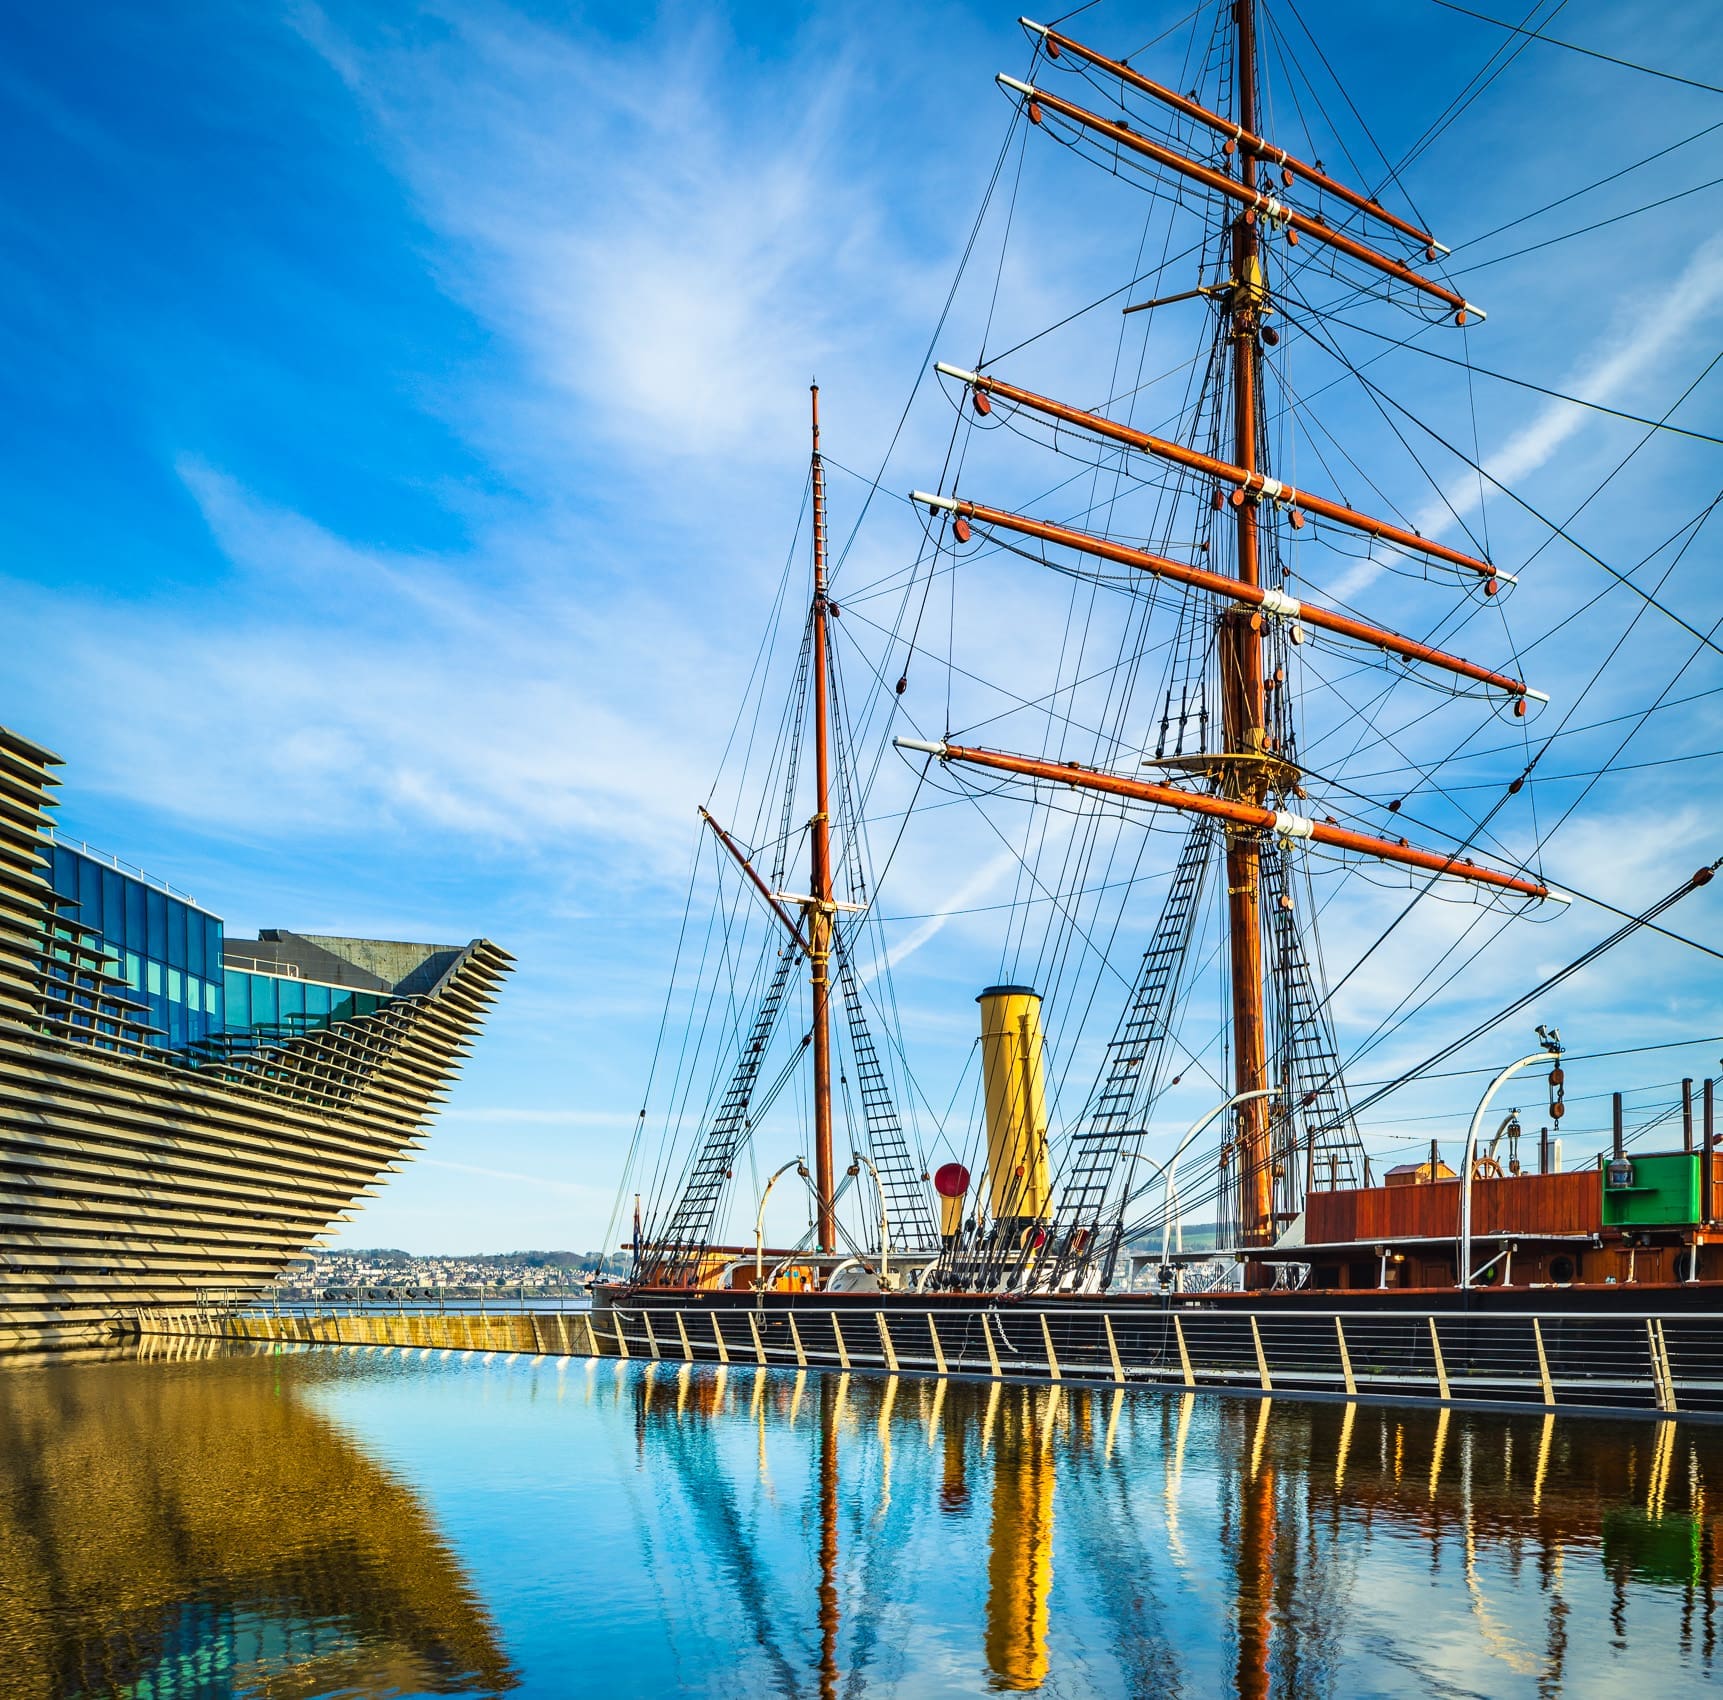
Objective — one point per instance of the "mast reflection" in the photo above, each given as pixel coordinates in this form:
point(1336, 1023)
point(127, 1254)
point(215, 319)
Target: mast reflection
point(1166, 1544)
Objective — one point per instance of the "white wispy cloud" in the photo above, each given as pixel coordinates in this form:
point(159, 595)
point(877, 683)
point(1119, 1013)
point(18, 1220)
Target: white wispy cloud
point(1647, 333)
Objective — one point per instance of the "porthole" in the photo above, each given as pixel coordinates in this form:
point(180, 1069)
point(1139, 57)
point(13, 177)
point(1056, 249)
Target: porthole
point(1562, 1270)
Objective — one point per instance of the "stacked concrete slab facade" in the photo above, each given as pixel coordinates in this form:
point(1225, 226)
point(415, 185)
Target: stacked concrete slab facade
point(135, 1177)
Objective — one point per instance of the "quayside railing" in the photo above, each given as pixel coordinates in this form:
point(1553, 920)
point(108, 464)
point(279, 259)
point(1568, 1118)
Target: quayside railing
point(1666, 1365)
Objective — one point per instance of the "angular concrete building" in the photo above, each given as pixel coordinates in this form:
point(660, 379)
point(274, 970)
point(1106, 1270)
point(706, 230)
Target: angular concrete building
point(182, 1114)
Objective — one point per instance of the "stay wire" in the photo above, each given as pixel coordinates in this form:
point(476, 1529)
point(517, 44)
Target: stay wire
point(1574, 47)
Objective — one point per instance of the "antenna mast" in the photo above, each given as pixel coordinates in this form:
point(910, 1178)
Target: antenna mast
point(1245, 777)
point(821, 910)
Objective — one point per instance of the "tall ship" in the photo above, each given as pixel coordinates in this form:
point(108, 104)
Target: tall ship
point(1252, 714)
point(183, 1114)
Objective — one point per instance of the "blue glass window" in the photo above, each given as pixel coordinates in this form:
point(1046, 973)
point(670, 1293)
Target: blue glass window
point(89, 892)
point(156, 930)
point(113, 917)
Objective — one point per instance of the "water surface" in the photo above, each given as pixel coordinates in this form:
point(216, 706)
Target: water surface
point(368, 1522)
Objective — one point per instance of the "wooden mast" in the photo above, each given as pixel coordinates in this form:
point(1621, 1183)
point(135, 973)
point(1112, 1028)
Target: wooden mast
point(1242, 692)
point(820, 907)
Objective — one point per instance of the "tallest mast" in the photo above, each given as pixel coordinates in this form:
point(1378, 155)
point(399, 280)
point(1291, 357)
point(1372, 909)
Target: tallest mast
point(821, 911)
point(1241, 682)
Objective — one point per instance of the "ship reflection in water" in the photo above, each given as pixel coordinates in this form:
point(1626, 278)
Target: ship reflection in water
point(378, 1523)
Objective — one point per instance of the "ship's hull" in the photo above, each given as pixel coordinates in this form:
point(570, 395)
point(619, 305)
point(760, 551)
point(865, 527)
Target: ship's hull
point(1658, 1350)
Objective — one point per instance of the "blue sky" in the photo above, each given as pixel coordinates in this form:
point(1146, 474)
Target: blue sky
point(406, 428)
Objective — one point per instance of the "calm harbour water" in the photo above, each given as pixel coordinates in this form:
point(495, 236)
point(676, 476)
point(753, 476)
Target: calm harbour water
point(373, 1522)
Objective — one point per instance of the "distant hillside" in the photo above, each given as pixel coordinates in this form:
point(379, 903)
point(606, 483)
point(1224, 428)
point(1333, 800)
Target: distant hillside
point(497, 1259)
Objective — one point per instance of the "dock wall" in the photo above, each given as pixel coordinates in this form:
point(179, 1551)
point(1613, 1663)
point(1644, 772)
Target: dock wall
point(1659, 1366)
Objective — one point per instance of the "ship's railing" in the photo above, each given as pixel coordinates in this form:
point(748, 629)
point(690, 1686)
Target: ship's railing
point(1667, 1364)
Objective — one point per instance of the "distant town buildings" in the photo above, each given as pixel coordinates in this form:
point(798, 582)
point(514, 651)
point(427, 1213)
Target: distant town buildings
point(529, 1272)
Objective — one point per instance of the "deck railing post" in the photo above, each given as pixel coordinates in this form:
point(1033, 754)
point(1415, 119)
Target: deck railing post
point(838, 1336)
point(1113, 1350)
point(938, 1350)
point(987, 1335)
point(1053, 1369)
point(885, 1342)
point(1661, 1380)
point(1345, 1358)
point(1543, 1362)
point(718, 1335)
point(1441, 1367)
point(1261, 1357)
point(796, 1341)
point(1184, 1351)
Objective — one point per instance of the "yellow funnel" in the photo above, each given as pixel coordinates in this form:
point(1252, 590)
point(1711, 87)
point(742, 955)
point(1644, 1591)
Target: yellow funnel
point(1018, 1183)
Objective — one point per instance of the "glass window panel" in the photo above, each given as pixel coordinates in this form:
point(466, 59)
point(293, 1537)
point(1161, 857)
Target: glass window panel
point(290, 997)
point(134, 971)
point(136, 936)
point(113, 902)
point(176, 986)
point(176, 934)
point(156, 931)
point(89, 892)
point(212, 947)
point(194, 963)
point(63, 870)
point(153, 978)
point(211, 998)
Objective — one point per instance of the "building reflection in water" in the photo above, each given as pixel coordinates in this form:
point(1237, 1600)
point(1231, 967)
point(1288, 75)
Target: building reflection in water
point(191, 1530)
point(1100, 1542)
